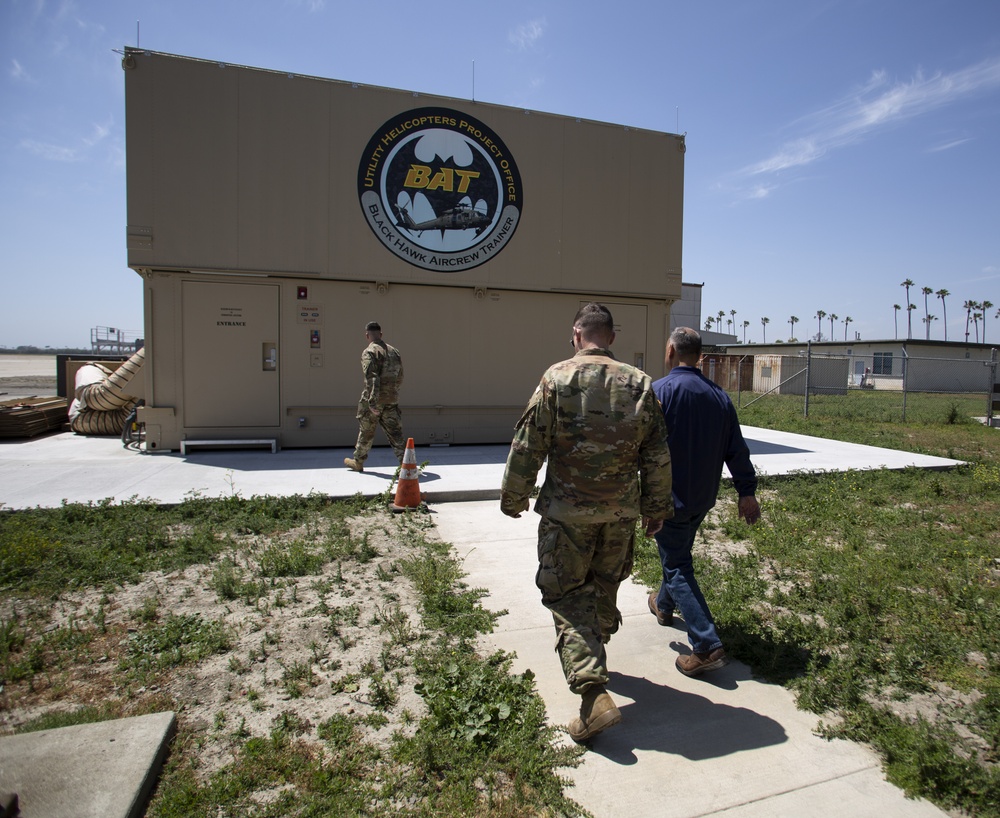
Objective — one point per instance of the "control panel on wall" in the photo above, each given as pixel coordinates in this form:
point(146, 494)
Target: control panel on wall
point(310, 314)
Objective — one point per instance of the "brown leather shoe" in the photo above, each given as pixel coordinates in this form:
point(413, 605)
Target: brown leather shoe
point(356, 465)
point(664, 619)
point(598, 712)
point(697, 663)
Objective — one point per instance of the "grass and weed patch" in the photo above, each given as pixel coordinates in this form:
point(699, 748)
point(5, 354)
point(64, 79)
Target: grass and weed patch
point(178, 640)
point(319, 656)
point(447, 603)
point(85, 544)
point(485, 746)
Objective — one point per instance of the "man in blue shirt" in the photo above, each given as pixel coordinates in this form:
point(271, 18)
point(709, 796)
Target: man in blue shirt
point(703, 432)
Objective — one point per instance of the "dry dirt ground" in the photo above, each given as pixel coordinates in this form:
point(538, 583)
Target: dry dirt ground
point(309, 648)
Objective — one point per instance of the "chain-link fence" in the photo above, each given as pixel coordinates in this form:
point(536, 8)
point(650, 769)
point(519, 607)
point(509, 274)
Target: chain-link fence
point(885, 385)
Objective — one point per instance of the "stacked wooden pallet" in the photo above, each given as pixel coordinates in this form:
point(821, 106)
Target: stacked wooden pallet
point(32, 416)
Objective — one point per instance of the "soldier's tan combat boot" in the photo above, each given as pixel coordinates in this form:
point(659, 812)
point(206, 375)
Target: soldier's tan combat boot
point(356, 465)
point(597, 712)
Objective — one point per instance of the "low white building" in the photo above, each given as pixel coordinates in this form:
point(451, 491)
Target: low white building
point(926, 366)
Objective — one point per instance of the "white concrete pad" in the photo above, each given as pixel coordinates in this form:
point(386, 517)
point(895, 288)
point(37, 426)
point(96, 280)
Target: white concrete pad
point(47, 470)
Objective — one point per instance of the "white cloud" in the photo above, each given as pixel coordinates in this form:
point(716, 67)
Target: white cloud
point(62, 153)
point(760, 192)
point(54, 153)
point(528, 34)
point(99, 134)
point(947, 146)
point(877, 105)
point(312, 6)
point(792, 154)
point(17, 72)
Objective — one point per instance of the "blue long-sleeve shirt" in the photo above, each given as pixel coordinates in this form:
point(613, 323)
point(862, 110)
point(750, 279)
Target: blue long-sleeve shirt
point(703, 432)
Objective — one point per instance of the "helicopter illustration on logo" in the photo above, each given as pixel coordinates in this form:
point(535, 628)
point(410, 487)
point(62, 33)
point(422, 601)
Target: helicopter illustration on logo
point(462, 216)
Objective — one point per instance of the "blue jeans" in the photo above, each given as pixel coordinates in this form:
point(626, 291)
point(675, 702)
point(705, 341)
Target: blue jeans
point(679, 587)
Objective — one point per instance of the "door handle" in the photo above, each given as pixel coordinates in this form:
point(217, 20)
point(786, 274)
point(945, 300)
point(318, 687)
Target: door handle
point(269, 356)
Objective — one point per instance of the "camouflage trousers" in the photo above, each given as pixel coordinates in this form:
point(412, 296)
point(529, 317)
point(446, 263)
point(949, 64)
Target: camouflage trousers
point(391, 421)
point(580, 566)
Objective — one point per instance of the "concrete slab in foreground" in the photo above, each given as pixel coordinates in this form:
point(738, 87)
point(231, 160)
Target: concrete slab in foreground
point(102, 770)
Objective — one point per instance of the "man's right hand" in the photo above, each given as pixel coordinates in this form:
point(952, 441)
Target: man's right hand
point(511, 506)
point(749, 509)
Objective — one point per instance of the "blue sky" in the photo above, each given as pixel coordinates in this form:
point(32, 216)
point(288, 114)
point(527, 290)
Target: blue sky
point(834, 148)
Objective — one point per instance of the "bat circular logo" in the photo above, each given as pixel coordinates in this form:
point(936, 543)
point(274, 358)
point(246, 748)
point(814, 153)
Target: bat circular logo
point(439, 189)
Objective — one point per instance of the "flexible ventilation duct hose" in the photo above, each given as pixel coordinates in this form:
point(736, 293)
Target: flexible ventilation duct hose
point(110, 392)
point(85, 421)
point(102, 401)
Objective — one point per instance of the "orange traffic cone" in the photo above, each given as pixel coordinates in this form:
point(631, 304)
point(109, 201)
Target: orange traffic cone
point(408, 487)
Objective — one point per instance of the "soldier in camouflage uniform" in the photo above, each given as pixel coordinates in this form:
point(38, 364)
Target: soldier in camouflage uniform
point(598, 423)
point(379, 404)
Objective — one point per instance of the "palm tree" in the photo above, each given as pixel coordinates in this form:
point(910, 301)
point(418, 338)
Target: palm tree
point(895, 320)
point(733, 314)
point(909, 323)
point(792, 320)
point(927, 316)
point(985, 306)
point(833, 317)
point(968, 306)
point(718, 323)
point(820, 315)
point(847, 321)
point(943, 294)
point(708, 322)
point(975, 317)
point(763, 323)
point(907, 284)
point(927, 320)
point(745, 325)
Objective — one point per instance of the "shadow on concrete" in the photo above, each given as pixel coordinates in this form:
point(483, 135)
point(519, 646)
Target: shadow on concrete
point(661, 719)
point(294, 459)
point(760, 447)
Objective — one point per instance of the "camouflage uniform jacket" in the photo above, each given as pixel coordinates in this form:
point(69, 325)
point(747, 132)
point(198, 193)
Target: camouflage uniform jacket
point(599, 424)
point(383, 370)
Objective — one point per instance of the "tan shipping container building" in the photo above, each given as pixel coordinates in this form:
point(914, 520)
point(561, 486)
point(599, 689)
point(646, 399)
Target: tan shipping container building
point(272, 215)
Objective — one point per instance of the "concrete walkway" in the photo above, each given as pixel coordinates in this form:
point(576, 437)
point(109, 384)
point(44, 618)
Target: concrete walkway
point(725, 745)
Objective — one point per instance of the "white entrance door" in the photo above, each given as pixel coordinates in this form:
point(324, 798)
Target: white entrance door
point(230, 355)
